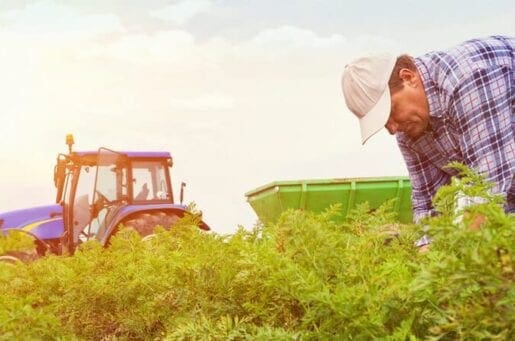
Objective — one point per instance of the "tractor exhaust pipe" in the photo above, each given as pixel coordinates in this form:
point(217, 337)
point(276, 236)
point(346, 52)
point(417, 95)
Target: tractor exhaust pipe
point(182, 192)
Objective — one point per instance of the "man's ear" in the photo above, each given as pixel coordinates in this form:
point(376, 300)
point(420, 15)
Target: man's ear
point(409, 77)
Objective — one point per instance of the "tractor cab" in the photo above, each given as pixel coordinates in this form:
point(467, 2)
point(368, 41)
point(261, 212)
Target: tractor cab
point(97, 186)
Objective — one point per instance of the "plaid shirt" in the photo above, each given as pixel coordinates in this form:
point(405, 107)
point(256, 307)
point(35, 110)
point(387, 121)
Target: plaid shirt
point(471, 94)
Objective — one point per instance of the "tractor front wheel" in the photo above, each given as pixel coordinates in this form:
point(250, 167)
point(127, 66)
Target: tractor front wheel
point(145, 223)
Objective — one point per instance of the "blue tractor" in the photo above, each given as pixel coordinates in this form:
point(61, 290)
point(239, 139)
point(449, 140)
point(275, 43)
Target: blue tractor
point(97, 192)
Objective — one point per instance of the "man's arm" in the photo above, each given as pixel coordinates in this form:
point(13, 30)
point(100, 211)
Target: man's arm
point(425, 179)
point(483, 109)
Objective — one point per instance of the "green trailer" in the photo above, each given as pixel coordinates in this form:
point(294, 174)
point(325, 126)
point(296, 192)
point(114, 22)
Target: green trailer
point(270, 200)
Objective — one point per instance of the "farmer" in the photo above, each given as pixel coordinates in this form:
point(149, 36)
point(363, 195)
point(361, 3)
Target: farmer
point(454, 105)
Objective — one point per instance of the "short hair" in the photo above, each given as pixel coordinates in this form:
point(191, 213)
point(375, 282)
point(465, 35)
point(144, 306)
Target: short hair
point(404, 61)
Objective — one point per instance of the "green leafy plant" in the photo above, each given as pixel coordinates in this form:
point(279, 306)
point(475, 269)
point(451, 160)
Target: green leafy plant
point(307, 276)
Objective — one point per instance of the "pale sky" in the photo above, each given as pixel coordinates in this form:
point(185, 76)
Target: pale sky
point(242, 93)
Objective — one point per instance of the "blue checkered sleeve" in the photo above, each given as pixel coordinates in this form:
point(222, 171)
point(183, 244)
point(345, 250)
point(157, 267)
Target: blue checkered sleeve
point(484, 107)
point(425, 178)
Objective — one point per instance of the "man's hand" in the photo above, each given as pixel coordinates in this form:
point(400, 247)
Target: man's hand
point(463, 202)
point(424, 248)
point(423, 244)
point(476, 220)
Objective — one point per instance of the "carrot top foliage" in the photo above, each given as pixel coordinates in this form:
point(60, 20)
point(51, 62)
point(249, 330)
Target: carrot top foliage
point(304, 277)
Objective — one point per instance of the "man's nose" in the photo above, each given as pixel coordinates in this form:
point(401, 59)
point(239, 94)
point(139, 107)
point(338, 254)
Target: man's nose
point(391, 126)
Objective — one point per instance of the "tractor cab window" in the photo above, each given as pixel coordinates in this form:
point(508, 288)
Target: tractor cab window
point(149, 181)
point(83, 199)
point(101, 189)
point(111, 182)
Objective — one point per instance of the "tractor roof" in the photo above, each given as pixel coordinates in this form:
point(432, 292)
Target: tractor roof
point(150, 155)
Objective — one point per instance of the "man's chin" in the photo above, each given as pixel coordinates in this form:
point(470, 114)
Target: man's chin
point(415, 134)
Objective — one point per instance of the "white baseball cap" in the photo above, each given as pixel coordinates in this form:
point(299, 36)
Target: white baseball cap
point(366, 91)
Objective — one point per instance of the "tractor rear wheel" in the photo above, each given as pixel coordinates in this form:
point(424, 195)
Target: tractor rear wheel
point(145, 223)
point(13, 257)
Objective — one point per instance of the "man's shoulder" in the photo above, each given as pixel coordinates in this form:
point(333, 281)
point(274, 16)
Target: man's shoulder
point(444, 72)
point(450, 66)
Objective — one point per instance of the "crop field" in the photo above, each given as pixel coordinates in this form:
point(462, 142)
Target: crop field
point(304, 277)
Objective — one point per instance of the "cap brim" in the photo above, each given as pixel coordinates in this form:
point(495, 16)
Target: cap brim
point(376, 118)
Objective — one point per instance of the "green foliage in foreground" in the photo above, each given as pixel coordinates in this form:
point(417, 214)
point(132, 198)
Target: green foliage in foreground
point(305, 277)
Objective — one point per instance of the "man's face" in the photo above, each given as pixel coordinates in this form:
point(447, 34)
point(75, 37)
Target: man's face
point(409, 109)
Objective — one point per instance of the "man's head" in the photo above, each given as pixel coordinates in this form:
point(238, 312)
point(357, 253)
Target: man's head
point(384, 91)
